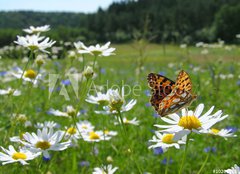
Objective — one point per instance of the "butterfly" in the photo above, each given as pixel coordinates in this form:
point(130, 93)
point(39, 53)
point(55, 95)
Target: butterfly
point(168, 96)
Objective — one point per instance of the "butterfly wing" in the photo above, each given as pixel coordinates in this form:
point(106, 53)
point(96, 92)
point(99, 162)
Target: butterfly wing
point(183, 81)
point(181, 96)
point(175, 101)
point(161, 87)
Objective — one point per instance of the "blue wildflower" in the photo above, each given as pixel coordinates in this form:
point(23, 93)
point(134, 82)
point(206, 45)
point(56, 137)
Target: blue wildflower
point(164, 161)
point(66, 82)
point(157, 151)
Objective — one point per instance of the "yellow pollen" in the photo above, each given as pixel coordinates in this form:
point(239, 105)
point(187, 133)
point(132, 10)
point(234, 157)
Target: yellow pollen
point(72, 130)
point(93, 136)
point(19, 155)
point(215, 131)
point(189, 122)
point(43, 145)
point(167, 138)
point(30, 74)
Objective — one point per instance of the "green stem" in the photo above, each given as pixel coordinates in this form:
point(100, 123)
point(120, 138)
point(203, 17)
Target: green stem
point(168, 158)
point(204, 163)
point(121, 122)
point(94, 62)
point(184, 155)
point(132, 157)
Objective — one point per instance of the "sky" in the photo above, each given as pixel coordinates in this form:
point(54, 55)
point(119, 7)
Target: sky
point(86, 6)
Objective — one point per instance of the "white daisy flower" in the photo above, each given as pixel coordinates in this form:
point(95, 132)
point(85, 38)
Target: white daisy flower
point(45, 140)
point(35, 42)
point(79, 45)
point(28, 75)
point(70, 112)
point(97, 50)
point(35, 30)
point(72, 134)
point(100, 99)
point(117, 103)
point(105, 170)
point(47, 124)
point(85, 126)
point(191, 121)
point(95, 136)
point(225, 133)
point(134, 121)
point(166, 140)
point(10, 91)
point(233, 170)
point(12, 156)
point(110, 133)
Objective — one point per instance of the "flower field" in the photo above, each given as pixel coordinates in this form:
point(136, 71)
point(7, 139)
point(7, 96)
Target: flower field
point(78, 108)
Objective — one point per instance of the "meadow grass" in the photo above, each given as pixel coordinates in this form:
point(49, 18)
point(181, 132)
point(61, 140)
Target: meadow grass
point(130, 151)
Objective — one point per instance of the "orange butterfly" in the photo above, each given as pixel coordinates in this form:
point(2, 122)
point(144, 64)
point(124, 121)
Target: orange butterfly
point(167, 96)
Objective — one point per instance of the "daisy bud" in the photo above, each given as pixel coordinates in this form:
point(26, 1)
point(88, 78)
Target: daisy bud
point(109, 159)
point(88, 72)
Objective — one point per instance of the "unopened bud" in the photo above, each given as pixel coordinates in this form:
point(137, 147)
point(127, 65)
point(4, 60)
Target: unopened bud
point(88, 72)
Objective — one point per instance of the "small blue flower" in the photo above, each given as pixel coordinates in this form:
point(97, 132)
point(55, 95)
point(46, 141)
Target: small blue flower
point(148, 104)
point(164, 161)
point(147, 92)
point(3, 73)
point(155, 115)
point(83, 111)
point(162, 73)
point(238, 82)
point(84, 164)
point(210, 149)
point(157, 151)
point(232, 129)
point(103, 70)
point(46, 159)
point(66, 82)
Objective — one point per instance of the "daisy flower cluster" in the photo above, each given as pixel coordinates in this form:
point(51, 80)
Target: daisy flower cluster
point(34, 144)
point(85, 130)
point(178, 127)
point(34, 41)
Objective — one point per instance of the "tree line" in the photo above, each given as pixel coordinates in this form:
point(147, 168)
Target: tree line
point(169, 21)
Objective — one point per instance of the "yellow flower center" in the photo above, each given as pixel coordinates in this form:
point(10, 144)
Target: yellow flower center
point(167, 138)
point(30, 74)
point(19, 155)
point(43, 145)
point(94, 136)
point(215, 131)
point(189, 122)
point(106, 132)
point(116, 105)
point(72, 130)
